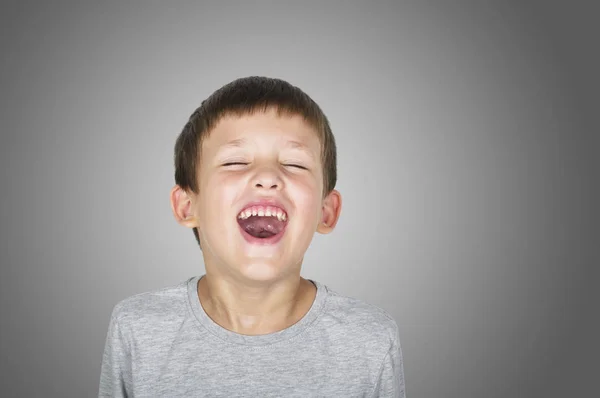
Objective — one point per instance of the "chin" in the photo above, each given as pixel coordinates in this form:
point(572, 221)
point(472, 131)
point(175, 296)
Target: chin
point(262, 272)
point(263, 269)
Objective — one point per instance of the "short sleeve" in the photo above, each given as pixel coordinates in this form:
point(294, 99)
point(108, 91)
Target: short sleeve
point(390, 383)
point(115, 376)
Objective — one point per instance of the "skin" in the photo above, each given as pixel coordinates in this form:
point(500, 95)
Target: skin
point(253, 289)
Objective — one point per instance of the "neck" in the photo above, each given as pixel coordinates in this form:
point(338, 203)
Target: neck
point(258, 308)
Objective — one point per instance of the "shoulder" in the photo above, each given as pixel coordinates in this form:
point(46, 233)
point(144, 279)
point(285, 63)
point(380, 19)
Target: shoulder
point(363, 321)
point(151, 306)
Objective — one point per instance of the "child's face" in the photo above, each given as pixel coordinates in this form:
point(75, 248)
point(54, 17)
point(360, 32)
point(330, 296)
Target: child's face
point(254, 158)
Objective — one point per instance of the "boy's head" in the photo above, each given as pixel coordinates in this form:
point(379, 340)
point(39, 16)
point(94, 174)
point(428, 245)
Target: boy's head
point(255, 172)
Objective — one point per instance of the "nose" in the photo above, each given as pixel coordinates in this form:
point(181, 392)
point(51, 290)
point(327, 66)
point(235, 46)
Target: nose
point(267, 178)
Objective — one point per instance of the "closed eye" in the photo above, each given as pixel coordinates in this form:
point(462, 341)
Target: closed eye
point(296, 165)
point(244, 164)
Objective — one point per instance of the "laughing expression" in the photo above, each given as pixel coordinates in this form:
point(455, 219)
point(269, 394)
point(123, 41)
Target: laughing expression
point(261, 194)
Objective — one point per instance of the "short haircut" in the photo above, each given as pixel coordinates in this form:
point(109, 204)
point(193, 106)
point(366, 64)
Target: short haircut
point(245, 96)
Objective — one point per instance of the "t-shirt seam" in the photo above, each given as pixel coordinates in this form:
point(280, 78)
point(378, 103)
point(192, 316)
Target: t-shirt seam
point(380, 371)
point(266, 345)
point(117, 325)
point(202, 326)
point(128, 362)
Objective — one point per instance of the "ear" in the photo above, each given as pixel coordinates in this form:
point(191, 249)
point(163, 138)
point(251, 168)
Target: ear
point(332, 206)
point(181, 204)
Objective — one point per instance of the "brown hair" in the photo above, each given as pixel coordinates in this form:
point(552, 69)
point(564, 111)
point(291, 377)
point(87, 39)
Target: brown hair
point(242, 97)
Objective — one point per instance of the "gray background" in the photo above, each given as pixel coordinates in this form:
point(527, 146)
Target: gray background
point(468, 142)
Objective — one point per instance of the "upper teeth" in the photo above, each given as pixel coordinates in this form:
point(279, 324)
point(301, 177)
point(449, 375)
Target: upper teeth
point(263, 211)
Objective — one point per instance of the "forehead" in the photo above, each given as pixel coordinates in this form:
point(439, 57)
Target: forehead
point(269, 128)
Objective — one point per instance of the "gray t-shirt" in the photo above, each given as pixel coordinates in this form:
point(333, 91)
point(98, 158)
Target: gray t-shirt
point(163, 344)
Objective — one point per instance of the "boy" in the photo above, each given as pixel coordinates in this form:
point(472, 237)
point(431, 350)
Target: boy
point(255, 171)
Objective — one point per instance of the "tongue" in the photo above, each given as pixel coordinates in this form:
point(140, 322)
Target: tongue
point(261, 227)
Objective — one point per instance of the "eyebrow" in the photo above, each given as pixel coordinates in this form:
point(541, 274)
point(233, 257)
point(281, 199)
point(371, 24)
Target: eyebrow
point(240, 142)
point(298, 145)
point(237, 143)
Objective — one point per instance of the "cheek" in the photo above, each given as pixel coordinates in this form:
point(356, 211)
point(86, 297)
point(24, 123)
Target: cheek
point(217, 196)
point(306, 195)
point(223, 186)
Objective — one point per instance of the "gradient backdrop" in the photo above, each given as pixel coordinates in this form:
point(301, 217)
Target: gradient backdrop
point(468, 143)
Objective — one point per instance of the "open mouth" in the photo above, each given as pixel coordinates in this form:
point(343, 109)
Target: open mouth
point(262, 224)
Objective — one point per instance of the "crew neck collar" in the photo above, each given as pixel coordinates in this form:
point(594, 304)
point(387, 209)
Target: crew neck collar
point(256, 340)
